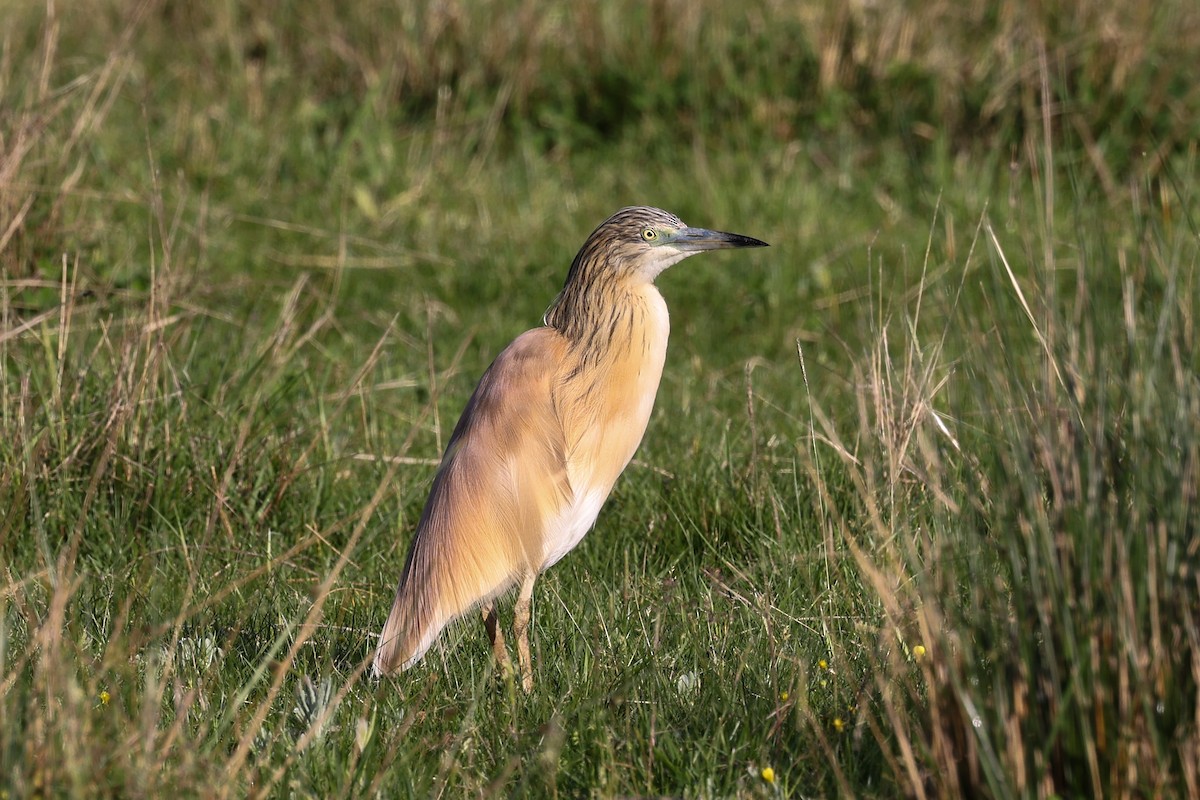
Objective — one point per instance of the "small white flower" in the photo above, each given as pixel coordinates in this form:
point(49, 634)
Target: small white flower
point(362, 733)
point(688, 683)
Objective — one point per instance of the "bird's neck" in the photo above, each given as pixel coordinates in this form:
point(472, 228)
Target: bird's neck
point(609, 379)
point(609, 319)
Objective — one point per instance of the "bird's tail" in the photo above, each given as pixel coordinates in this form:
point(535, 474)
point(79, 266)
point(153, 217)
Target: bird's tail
point(433, 591)
point(406, 635)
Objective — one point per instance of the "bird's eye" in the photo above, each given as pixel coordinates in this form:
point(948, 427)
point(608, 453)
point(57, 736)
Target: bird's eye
point(649, 234)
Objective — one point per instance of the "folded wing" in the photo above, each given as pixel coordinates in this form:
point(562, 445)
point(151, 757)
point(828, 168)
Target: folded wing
point(502, 479)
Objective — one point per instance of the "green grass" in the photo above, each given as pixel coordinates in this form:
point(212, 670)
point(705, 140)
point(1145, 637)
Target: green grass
point(916, 513)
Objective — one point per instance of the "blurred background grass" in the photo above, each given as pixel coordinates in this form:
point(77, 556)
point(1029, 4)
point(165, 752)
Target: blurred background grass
point(916, 513)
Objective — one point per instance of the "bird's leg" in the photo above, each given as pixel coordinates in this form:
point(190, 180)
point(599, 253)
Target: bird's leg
point(491, 621)
point(521, 629)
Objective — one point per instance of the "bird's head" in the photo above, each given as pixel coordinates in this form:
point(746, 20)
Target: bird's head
point(640, 242)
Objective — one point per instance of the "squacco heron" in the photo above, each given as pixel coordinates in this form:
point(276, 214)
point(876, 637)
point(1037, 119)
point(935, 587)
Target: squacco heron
point(551, 425)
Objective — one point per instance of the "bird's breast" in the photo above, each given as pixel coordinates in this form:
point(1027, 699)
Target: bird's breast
point(616, 401)
point(605, 409)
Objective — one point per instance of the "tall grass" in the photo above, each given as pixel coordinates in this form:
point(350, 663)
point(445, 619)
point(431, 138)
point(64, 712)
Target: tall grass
point(1027, 517)
point(918, 525)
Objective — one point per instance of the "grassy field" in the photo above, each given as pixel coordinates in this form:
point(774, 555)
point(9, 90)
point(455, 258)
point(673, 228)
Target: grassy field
point(916, 513)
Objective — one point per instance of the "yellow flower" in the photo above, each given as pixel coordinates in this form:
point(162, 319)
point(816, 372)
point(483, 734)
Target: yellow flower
point(918, 652)
point(783, 696)
point(105, 697)
point(823, 664)
point(768, 775)
point(838, 724)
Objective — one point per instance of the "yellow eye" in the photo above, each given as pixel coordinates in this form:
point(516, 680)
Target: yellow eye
point(649, 234)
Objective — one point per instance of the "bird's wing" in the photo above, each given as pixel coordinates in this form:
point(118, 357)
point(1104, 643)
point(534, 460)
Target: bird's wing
point(502, 476)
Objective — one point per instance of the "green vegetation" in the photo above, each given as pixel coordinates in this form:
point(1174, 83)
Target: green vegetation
point(917, 510)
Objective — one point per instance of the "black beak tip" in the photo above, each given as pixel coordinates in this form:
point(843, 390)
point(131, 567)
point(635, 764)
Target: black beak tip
point(750, 241)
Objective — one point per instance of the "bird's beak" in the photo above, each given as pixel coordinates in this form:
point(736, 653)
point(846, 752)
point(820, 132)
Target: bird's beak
point(695, 240)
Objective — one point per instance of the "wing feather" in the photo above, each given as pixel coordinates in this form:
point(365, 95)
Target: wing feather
point(503, 475)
